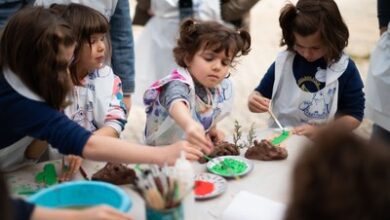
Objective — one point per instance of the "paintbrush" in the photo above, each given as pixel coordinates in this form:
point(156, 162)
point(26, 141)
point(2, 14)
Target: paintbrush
point(274, 117)
point(83, 173)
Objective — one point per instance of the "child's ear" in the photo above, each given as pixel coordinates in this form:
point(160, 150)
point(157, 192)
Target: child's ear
point(187, 60)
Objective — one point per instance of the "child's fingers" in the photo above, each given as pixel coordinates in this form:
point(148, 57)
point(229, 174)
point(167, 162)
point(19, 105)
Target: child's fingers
point(193, 153)
point(202, 142)
point(198, 137)
point(74, 163)
point(65, 176)
point(258, 104)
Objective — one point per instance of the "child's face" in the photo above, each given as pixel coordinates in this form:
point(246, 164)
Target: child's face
point(309, 47)
point(208, 67)
point(93, 56)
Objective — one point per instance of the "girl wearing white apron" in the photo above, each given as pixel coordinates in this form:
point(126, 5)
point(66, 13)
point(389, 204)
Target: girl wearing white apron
point(153, 48)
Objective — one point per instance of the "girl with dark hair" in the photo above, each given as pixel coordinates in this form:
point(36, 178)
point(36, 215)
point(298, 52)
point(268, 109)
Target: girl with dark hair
point(36, 50)
point(97, 97)
point(190, 101)
point(312, 81)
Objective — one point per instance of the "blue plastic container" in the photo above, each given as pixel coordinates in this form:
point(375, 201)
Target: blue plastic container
point(82, 194)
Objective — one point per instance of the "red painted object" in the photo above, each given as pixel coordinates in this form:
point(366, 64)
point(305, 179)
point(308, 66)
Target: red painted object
point(203, 188)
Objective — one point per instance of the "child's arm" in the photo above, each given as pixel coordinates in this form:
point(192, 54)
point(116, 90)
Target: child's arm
point(257, 103)
point(107, 131)
point(180, 112)
point(116, 116)
point(94, 213)
point(109, 149)
point(346, 122)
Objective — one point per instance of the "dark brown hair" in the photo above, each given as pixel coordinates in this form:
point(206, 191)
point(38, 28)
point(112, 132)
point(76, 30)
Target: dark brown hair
point(196, 35)
point(341, 176)
point(310, 16)
point(84, 21)
point(6, 210)
point(31, 46)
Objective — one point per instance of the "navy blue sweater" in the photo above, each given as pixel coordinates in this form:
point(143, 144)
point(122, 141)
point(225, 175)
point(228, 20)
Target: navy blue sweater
point(21, 116)
point(350, 94)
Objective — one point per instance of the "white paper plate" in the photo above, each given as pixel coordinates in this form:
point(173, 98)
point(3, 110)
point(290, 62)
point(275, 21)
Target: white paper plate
point(230, 172)
point(217, 183)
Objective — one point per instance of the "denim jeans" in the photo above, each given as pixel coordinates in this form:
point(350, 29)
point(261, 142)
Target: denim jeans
point(381, 134)
point(121, 33)
point(10, 7)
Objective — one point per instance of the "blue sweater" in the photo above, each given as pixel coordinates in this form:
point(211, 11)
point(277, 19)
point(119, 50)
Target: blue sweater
point(350, 94)
point(21, 116)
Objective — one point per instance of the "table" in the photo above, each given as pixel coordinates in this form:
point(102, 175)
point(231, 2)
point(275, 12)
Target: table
point(270, 179)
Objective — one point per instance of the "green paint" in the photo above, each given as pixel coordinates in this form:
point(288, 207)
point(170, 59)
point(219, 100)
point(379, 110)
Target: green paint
point(24, 190)
point(48, 176)
point(229, 167)
point(279, 139)
point(27, 192)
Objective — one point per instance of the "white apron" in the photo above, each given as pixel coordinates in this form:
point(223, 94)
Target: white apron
point(293, 106)
point(378, 83)
point(91, 105)
point(153, 48)
point(161, 129)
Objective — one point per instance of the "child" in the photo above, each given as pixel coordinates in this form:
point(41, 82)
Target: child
point(191, 100)
point(153, 48)
point(341, 176)
point(312, 81)
point(36, 48)
point(96, 102)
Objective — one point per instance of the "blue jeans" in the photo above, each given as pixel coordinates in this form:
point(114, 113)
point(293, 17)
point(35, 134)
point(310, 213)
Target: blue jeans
point(121, 33)
point(381, 134)
point(10, 7)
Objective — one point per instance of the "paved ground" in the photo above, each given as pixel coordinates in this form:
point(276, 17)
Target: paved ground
point(360, 16)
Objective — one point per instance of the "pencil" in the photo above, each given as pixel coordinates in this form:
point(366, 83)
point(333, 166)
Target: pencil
point(83, 173)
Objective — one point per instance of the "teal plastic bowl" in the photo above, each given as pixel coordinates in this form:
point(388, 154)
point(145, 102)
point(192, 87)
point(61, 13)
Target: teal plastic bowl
point(82, 194)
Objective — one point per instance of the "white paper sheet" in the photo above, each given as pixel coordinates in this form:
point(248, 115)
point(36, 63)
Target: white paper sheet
point(249, 206)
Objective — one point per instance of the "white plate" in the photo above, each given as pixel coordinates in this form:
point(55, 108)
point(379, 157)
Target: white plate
point(230, 172)
point(217, 183)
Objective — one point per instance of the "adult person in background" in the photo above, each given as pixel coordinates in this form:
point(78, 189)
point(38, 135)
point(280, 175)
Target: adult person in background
point(9, 7)
point(378, 78)
point(341, 176)
point(122, 60)
point(235, 12)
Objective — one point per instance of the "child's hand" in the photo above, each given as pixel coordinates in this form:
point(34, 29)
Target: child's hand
point(307, 130)
point(216, 135)
point(102, 213)
point(192, 152)
point(71, 166)
point(196, 135)
point(257, 103)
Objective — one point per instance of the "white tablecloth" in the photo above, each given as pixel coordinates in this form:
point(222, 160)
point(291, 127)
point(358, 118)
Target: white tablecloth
point(268, 179)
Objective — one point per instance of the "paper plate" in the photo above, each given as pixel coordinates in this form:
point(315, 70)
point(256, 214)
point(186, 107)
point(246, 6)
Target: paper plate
point(230, 166)
point(209, 185)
